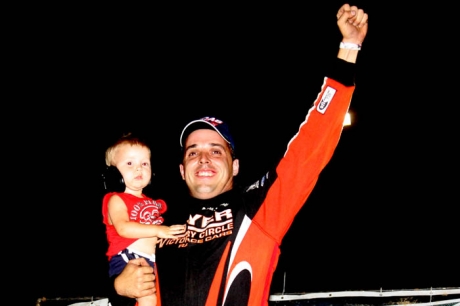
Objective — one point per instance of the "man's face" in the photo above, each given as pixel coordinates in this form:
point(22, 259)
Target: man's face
point(207, 166)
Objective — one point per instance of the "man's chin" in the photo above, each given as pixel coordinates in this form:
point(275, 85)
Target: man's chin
point(204, 192)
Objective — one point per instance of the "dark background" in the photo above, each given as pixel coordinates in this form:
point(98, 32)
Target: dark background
point(383, 214)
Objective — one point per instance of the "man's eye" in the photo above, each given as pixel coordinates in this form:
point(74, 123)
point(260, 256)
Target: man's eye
point(191, 153)
point(216, 152)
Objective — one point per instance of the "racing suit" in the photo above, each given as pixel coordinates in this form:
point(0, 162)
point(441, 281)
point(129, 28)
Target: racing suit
point(232, 245)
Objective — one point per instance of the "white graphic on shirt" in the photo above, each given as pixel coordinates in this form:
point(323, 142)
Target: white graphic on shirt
point(201, 229)
point(241, 266)
point(146, 212)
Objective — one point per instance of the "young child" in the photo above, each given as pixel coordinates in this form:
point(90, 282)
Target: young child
point(133, 220)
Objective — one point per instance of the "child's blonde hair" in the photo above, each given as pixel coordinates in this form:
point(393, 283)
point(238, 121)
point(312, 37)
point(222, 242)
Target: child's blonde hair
point(124, 140)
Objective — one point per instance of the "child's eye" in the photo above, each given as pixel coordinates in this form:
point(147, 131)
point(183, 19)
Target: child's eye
point(130, 163)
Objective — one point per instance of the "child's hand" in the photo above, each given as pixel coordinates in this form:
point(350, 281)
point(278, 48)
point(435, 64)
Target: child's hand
point(173, 231)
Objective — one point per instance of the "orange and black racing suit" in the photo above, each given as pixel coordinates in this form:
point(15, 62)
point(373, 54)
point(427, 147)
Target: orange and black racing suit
point(233, 241)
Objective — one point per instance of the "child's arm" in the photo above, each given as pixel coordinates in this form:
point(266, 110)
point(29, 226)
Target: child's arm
point(118, 217)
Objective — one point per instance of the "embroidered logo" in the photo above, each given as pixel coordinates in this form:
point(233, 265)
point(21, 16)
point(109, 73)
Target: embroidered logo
point(326, 99)
point(213, 121)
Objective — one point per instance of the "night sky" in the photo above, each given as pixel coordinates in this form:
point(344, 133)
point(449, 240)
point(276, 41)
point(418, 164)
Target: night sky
point(383, 213)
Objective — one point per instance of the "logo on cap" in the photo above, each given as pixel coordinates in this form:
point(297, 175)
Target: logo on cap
point(212, 120)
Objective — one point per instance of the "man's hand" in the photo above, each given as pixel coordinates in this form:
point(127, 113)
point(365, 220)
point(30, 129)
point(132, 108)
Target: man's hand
point(136, 280)
point(352, 22)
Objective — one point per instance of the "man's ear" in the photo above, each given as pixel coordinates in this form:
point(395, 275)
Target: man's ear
point(236, 167)
point(182, 172)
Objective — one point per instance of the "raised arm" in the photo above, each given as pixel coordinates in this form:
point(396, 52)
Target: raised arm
point(352, 22)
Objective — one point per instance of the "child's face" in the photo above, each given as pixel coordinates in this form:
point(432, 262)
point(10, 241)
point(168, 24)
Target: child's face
point(134, 164)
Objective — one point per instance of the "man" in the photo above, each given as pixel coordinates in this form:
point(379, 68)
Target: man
point(232, 244)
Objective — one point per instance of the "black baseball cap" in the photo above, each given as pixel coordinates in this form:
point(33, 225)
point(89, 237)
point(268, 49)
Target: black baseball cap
point(211, 123)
